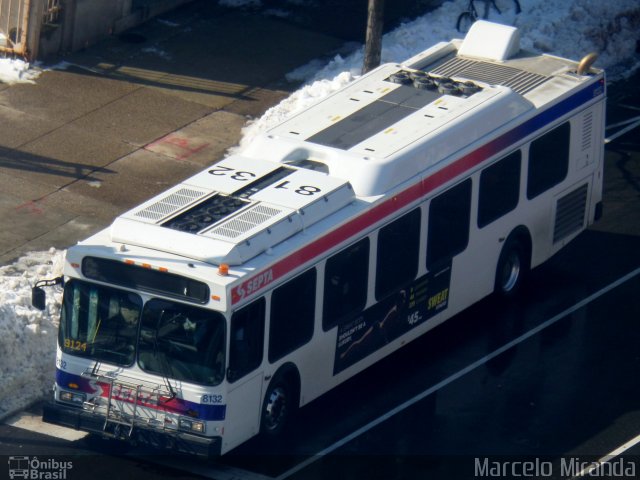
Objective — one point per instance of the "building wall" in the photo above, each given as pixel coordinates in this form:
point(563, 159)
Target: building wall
point(84, 22)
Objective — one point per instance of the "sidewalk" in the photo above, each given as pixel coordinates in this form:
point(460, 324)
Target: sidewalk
point(134, 115)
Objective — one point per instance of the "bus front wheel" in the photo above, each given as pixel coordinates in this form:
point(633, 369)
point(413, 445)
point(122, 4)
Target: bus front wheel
point(278, 407)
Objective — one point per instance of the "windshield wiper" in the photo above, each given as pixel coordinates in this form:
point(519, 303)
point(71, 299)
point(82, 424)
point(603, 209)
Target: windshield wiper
point(166, 369)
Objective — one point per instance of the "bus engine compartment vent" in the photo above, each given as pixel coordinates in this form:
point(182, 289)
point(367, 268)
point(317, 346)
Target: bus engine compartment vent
point(570, 212)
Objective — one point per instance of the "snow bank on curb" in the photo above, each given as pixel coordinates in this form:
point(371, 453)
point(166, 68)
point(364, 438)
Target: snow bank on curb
point(14, 70)
point(27, 336)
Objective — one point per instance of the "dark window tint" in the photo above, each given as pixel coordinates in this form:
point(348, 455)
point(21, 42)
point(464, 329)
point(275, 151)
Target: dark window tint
point(499, 189)
point(138, 278)
point(182, 342)
point(548, 160)
point(345, 283)
point(292, 312)
point(397, 258)
point(247, 340)
point(100, 323)
point(449, 215)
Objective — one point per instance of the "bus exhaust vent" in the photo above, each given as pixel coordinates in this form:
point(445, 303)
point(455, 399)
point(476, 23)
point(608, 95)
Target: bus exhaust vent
point(570, 212)
point(517, 80)
point(245, 222)
point(169, 204)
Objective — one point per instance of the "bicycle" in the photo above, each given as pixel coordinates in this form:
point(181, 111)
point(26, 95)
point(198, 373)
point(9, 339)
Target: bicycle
point(470, 15)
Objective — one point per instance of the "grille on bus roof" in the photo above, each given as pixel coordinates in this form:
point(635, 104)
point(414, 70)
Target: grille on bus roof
point(518, 80)
point(245, 221)
point(170, 204)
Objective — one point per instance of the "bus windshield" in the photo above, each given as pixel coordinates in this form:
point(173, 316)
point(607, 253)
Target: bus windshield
point(99, 322)
point(182, 342)
point(176, 341)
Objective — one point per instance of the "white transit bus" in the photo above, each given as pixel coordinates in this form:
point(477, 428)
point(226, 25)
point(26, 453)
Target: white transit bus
point(209, 313)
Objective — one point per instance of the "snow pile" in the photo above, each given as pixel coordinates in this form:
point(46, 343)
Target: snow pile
point(14, 70)
point(27, 336)
point(568, 28)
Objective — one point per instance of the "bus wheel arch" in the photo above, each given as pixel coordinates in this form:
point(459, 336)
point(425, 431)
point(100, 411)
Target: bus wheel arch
point(281, 401)
point(514, 262)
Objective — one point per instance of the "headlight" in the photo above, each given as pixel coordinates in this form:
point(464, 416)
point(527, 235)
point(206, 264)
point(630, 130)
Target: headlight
point(72, 397)
point(191, 425)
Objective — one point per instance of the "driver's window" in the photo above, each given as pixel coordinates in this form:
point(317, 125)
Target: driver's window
point(247, 340)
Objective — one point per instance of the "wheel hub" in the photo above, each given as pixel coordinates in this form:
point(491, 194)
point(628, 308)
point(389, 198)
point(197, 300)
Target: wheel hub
point(275, 410)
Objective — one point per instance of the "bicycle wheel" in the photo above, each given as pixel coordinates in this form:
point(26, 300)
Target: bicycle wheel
point(465, 20)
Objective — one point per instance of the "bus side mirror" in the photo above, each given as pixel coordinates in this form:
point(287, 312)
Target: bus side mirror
point(38, 298)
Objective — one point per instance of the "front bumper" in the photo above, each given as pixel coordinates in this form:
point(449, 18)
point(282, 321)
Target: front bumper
point(181, 442)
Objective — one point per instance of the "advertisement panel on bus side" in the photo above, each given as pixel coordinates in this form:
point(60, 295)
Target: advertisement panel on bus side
point(389, 319)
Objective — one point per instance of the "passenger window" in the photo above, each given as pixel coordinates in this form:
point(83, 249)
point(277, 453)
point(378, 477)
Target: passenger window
point(548, 160)
point(397, 258)
point(449, 215)
point(499, 189)
point(345, 283)
point(292, 315)
point(247, 340)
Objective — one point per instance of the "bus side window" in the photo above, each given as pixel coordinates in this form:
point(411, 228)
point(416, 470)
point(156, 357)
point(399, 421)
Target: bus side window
point(449, 216)
point(292, 315)
point(548, 160)
point(247, 340)
point(397, 258)
point(499, 189)
point(345, 283)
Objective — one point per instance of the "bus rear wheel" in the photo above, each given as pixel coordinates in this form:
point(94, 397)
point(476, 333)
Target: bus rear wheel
point(513, 266)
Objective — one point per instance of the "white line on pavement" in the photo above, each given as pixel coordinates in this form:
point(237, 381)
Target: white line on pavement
point(607, 458)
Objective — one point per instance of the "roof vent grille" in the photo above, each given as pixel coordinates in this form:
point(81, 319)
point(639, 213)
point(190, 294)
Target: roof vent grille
point(245, 221)
point(170, 204)
point(518, 80)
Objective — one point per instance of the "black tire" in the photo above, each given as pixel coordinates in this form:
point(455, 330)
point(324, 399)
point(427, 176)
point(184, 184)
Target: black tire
point(513, 266)
point(278, 408)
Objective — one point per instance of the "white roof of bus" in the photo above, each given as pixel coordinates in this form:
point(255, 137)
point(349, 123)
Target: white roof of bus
point(358, 145)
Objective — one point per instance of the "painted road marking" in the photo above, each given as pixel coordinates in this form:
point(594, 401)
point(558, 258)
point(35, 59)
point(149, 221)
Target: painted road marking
point(469, 368)
point(608, 457)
